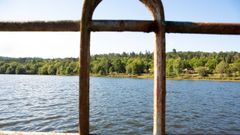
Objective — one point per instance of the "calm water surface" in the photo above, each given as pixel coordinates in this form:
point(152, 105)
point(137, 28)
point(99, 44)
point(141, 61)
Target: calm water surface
point(118, 105)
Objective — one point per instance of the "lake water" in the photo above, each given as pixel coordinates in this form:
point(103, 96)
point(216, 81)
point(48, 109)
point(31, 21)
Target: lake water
point(118, 105)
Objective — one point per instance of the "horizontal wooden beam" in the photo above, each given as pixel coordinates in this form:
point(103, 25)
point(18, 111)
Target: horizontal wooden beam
point(41, 26)
point(33, 133)
point(124, 25)
point(203, 28)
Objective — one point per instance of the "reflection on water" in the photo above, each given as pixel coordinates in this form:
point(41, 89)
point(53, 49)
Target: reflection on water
point(118, 105)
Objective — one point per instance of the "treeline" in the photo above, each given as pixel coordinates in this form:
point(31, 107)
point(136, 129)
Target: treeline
point(67, 66)
point(178, 63)
point(203, 63)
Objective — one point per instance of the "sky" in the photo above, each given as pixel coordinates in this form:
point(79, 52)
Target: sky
point(66, 44)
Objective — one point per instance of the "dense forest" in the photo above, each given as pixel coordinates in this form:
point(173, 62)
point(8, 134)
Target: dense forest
point(179, 64)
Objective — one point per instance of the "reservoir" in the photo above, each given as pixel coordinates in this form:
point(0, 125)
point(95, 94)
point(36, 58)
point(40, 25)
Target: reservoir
point(117, 105)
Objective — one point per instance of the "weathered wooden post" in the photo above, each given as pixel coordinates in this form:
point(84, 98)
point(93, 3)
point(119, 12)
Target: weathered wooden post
point(159, 92)
point(88, 8)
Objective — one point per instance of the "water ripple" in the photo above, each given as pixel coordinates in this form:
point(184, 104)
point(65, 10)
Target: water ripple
point(118, 105)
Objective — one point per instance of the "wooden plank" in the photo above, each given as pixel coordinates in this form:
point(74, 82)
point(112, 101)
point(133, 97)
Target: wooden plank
point(40, 26)
point(33, 133)
point(159, 83)
point(159, 91)
point(203, 28)
point(84, 72)
point(124, 25)
point(87, 11)
point(66, 26)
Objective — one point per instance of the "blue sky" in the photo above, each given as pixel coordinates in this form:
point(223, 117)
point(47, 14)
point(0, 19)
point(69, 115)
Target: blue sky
point(66, 44)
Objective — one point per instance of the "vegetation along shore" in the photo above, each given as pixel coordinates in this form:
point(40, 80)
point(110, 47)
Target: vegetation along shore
point(180, 65)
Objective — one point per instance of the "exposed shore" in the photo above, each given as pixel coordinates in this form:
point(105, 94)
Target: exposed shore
point(147, 76)
point(182, 77)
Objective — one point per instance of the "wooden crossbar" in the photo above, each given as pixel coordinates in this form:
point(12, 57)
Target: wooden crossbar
point(124, 25)
point(33, 133)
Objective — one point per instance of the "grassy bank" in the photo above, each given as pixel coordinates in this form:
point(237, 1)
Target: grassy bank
point(143, 76)
point(214, 77)
point(210, 78)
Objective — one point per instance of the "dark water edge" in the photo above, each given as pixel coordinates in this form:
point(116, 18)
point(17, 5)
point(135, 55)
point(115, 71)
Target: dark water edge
point(149, 76)
point(118, 105)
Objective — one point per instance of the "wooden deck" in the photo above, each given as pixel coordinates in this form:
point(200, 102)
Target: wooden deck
point(34, 133)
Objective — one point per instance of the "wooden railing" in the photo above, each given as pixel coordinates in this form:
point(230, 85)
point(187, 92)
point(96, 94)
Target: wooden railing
point(159, 26)
point(124, 25)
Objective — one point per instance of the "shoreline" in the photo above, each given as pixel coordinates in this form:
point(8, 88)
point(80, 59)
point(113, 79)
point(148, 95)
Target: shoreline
point(146, 76)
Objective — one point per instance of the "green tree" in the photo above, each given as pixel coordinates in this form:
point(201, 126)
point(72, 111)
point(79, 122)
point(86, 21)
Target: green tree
point(221, 67)
point(118, 66)
point(20, 70)
point(136, 67)
point(31, 68)
point(51, 70)
point(169, 67)
point(43, 70)
point(202, 71)
point(177, 66)
point(11, 68)
point(3, 68)
point(211, 64)
point(60, 70)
